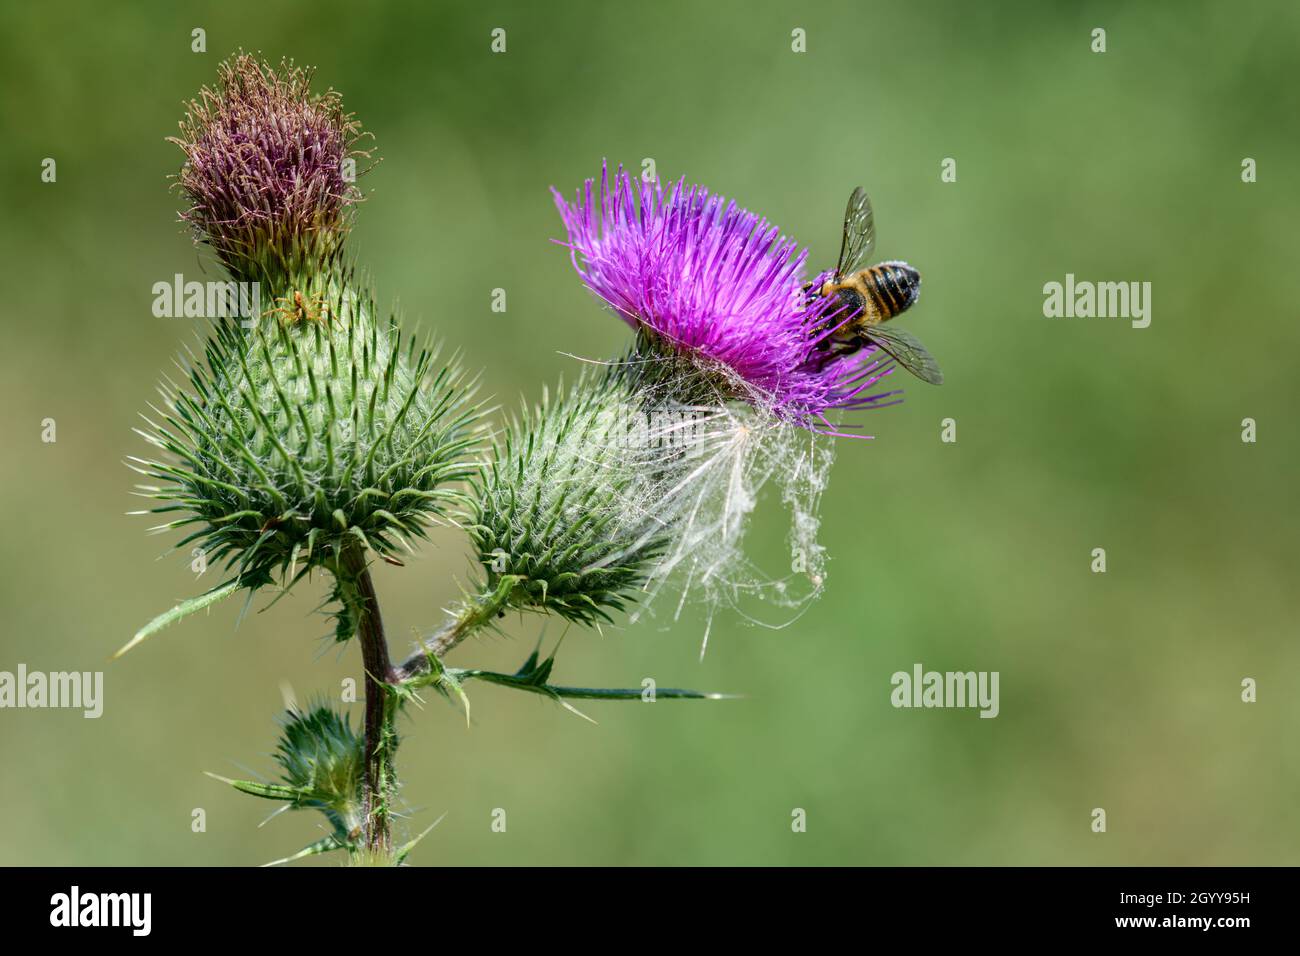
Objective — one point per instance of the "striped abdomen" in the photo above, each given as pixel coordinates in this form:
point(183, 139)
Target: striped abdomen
point(882, 291)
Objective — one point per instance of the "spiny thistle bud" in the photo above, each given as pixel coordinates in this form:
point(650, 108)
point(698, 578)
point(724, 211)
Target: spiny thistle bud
point(321, 756)
point(269, 171)
point(580, 499)
point(300, 434)
point(322, 762)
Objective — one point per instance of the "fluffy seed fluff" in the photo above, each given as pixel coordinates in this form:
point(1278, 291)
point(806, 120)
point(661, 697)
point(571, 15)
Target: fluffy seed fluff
point(733, 452)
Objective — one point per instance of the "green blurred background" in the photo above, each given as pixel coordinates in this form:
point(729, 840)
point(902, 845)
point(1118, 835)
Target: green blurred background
point(1119, 691)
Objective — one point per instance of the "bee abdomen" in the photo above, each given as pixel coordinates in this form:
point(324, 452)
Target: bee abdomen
point(895, 286)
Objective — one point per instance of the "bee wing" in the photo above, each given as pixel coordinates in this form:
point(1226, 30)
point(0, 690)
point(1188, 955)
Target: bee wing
point(907, 351)
point(859, 233)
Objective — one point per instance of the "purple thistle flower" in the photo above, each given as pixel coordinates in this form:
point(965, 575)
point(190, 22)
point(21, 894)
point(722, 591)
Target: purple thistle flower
point(699, 275)
point(264, 170)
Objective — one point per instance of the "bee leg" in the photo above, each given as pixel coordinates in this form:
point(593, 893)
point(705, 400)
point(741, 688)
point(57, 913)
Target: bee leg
point(845, 347)
point(826, 352)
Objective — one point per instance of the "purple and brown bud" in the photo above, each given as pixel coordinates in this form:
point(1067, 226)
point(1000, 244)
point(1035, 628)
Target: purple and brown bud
point(269, 171)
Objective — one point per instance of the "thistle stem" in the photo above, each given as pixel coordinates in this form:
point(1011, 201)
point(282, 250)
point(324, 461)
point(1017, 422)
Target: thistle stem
point(380, 737)
point(473, 614)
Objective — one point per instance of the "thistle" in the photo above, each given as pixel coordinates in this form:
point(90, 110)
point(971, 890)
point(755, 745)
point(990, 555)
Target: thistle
point(723, 325)
point(317, 429)
point(316, 436)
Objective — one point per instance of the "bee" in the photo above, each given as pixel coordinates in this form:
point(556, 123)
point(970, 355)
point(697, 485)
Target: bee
point(300, 308)
point(869, 297)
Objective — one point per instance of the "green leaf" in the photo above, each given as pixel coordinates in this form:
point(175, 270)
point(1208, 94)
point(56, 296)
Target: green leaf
point(534, 674)
point(585, 693)
point(182, 610)
point(633, 693)
point(323, 845)
point(271, 791)
point(401, 852)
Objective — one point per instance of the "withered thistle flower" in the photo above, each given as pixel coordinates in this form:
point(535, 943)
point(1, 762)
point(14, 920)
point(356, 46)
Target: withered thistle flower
point(269, 171)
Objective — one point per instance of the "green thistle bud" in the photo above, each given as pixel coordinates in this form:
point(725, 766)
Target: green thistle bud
point(300, 434)
point(322, 766)
point(579, 501)
point(322, 757)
